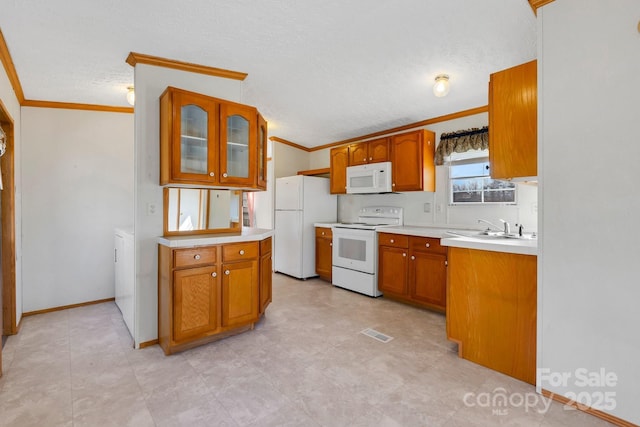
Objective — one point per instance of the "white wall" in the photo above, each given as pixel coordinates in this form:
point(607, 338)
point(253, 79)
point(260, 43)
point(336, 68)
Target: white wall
point(77, 175)
point(8, 98)
point(289, 160)
point(441, 213)
point(150, 82)
point(589, 274)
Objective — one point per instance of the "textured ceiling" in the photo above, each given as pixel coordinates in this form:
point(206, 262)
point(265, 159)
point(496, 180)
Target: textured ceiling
point(319, 70)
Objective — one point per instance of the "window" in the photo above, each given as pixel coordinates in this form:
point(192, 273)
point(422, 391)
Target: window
point(470, 183)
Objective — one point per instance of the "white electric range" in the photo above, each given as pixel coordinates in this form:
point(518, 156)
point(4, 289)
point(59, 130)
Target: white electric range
point(355, 249)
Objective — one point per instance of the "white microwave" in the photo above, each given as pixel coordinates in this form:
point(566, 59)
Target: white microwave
point(370, 178)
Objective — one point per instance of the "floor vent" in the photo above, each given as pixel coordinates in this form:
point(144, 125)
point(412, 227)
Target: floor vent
point(376, 335)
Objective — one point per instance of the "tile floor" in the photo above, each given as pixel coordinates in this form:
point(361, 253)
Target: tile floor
point(305, 364)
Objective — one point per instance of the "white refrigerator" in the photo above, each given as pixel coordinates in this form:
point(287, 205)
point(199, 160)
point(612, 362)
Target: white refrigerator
point(301, 201)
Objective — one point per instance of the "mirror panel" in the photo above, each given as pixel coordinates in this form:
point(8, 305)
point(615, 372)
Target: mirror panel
point(200, 211)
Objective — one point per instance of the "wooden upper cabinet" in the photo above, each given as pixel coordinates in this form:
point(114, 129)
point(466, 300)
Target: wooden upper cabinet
point(238, 144)
point(373, 151)
point(513, 121)
point(339, 159)
point(210, 142)
point(262, 153)
point(412, 158)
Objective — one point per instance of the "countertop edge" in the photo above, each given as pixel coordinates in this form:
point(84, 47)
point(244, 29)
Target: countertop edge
point(247, 235)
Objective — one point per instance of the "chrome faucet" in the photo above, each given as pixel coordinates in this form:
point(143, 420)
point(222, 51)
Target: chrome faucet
point(507, 229)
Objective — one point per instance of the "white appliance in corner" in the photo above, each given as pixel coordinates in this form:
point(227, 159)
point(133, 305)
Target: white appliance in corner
point(301, 201)
point(124, 276)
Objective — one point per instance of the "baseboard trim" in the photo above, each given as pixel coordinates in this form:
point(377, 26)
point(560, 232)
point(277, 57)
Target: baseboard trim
point(148, 343)
point(589, 410)
point(65, 307)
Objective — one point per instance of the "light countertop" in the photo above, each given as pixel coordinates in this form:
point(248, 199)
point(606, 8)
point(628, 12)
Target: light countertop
point(247, 235)
point(515, 246)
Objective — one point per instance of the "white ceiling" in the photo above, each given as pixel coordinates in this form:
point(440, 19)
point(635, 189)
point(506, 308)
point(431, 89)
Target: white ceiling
point(319, 70)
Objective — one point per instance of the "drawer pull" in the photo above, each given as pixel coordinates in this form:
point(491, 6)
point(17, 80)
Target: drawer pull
point(214, 274)
point(403, 254)
point(370, 158)
point(224, 175)
point(427, 245)
point(392, 241)
point(226, 272)
point(196, 257)
point(241, 251)
point(412, 257)
point(211, 174)
point(322, 233)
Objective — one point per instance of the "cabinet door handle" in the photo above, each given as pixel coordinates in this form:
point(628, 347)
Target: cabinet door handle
point(428, 245)
point(226, 272)
point(412, 257)
point(370, 158)
point(392, 241)
point(404, 254)
point(331, 244)
point(322, 233)
point(196, 257)
point(241, 251)
point(364, 160)
point(224, 175)
point(211, 174)
point(214, 274)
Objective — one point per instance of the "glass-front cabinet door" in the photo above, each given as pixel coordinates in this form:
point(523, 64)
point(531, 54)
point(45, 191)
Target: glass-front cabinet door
point(238, 154)
point(262, 152)
point(194, 158)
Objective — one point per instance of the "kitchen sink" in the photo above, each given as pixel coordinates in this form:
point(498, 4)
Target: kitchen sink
point(492, 235)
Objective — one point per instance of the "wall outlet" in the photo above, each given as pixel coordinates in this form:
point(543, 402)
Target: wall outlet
point(151, 209)
point(427, 207)
point(439, 207)
point(534, 207)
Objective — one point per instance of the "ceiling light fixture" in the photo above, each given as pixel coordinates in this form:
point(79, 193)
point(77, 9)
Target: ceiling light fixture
point(441, 87)
point(131, 95)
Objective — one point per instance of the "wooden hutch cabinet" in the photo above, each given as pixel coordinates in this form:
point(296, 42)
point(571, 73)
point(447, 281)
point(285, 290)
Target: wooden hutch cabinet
point(210, 142)
point(513, 122)
point(413, 270)
point(209, 292)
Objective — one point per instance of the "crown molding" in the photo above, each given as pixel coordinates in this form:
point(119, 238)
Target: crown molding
point(447, 117)
point(138, 58)
point(76, 106)
point(7, 62)
point(289, 143)
point(535, 4)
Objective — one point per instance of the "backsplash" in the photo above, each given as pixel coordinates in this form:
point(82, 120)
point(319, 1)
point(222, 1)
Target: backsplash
point(443, 214)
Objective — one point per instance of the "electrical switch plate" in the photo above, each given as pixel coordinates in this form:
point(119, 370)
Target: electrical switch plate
point(151, 209)
point(427, 207)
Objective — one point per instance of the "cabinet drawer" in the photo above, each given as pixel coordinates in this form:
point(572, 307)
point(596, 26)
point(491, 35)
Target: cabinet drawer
point(265, 246)
point(395, 240)
point(194, 256)
point(426, 244)
point(240, 251)
point(323, 232)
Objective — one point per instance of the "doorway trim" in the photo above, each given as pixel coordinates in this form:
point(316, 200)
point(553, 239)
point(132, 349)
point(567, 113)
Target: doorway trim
point(8, 228)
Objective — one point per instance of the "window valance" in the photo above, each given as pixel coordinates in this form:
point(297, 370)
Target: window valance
point(461, 141)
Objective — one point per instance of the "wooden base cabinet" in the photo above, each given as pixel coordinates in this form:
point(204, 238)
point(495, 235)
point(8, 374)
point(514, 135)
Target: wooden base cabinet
point(266, 274)
point(413, 270)
point(209, 292)
point(492, 309)
point(324, 252)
